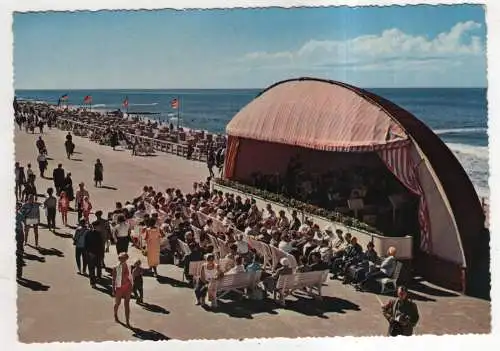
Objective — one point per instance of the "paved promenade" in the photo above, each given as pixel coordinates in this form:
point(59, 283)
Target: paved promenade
point(56, 304)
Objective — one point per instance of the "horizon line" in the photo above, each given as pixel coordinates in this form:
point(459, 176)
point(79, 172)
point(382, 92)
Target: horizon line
point(131, 89)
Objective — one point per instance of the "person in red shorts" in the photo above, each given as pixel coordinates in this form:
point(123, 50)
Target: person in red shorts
point(122, 286)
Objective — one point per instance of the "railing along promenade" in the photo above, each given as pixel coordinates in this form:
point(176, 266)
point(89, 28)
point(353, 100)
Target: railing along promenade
point(199, 154)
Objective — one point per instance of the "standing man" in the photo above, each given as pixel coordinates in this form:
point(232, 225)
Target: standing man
point(79, 242)
point(102, 226)
point(58, 177)
point(50, 205)
point(42, 164)
point(401, 313)
point(94, 249)
point(20, 179)
point(80, 195)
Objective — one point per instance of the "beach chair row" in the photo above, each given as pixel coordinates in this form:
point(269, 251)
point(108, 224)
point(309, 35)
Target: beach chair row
point(198, 154)
point(271, 255)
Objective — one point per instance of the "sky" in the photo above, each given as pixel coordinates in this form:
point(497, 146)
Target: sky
point(399, 46)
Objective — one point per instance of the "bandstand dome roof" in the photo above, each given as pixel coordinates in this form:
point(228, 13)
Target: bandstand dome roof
point(334, 116)
point(317, 114)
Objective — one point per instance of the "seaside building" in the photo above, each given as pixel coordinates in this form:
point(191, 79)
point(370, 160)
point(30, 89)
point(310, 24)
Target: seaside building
point(356, 153)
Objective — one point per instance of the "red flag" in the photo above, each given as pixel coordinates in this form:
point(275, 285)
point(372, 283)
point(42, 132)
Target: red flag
point(64, 97)
point(87, 99)
point(125, 102)
point(174, 104)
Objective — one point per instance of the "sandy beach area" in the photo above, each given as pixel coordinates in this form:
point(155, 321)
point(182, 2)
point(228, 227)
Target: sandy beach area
point(56, 304)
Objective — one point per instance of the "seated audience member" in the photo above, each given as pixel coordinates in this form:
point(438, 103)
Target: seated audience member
point(229, 260)
point(309, 245)
point(303, 265)
point(349, 256)
point(209, 226)
point(325, 251)
point(286, 244)
point(386, 269)
point(239, 267)
point(358, 271)
point(242, 246)
point(283, 222)
point(254, 266)
point(317, 264)
point(295, 222)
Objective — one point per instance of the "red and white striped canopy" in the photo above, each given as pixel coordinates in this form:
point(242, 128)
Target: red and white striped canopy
point(317, 115)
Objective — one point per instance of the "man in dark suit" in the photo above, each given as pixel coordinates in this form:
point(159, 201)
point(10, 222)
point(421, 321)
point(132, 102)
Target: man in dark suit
point(58, 178)
point(94, 249)
point(401, 313)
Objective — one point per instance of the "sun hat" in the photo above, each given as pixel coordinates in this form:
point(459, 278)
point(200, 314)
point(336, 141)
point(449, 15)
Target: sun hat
point(285, 262)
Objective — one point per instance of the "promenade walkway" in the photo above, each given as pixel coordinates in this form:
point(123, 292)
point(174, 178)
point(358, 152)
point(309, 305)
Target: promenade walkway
point(56, 304)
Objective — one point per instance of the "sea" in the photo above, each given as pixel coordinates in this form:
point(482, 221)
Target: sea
point(457, 115)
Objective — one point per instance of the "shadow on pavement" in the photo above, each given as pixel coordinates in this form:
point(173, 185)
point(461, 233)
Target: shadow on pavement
point(108, 187)
point(174, 282)
point(50, 252)
point(32, 257)
point(152, 335)
point(32, 284)
point(77, 159)
point(153, 308)
point(63, 235)
point(142, 334)
point(244, 308)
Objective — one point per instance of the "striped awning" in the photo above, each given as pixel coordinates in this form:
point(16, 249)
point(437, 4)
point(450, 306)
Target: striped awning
point(318, 116)
point(400, 163)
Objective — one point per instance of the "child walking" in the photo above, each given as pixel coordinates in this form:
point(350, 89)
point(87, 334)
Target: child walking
point(63, 207)
point(137, 273)
point(86, 207)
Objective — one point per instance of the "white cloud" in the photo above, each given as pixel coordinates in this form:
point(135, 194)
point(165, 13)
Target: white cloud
point(393, 49)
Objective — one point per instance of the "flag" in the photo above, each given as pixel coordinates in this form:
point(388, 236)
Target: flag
point(64, 97)
point(174, 104)
point(87, 99)
point(125, 102)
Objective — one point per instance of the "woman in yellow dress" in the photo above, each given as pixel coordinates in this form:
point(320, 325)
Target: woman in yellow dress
point(153, 239)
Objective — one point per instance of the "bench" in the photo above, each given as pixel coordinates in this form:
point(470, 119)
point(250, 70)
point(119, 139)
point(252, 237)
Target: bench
point(238, 283)
point(286, 284)
point(390, 281)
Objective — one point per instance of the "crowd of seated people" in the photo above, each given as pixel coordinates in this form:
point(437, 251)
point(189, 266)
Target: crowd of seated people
point(232, 220)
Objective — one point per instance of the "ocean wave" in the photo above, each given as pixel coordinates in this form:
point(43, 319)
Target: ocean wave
point(460, 131)
point(99, 105)
point(480, 152)
point(474, 160)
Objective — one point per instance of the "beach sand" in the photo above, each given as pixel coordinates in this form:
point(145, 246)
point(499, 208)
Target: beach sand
point(69, 310)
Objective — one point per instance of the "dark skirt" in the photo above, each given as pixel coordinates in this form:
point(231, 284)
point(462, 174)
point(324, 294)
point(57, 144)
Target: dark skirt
point(98, 177)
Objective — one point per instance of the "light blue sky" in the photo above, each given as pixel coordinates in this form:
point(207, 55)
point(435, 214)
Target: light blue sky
point(370, 47)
